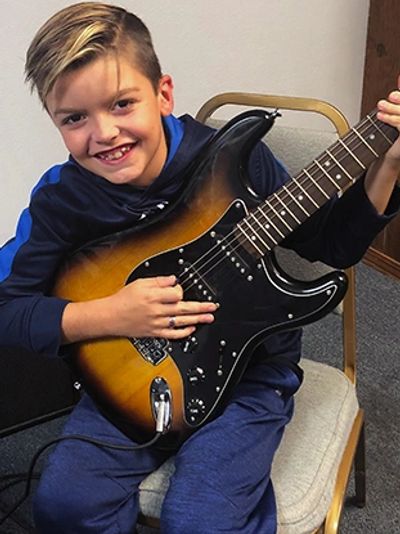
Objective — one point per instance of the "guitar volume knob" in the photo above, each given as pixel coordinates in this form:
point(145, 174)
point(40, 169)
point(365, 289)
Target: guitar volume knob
point(189, 344)
point(196, 375)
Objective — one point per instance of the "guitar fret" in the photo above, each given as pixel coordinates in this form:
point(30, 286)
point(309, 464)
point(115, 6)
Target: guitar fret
point(376, 126)
point(279, 217)
point(365, 143)
point(287, 208)
point(254, 218)
point(251, 240)
point(266, 226)
point(296, 181)
point(316, 184)
point(270, 224)
point(287, 190)
point(337, 162)
point(327, 175)
point(352, 154)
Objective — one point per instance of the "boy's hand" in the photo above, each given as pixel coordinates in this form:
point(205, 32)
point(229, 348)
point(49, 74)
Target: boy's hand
point(147, 307)
point(389, 112)
point(154, 307)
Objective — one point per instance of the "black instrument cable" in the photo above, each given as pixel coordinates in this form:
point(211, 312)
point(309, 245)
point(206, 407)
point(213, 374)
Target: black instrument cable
point(31, 475)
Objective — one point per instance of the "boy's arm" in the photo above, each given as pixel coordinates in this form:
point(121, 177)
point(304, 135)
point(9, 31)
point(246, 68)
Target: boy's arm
point(383, 174)
point(340, 232)
point(380, 181)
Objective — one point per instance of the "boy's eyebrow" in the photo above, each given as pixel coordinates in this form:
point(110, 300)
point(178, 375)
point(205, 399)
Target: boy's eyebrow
point(66, 111)
point(119, 94)
point(127, 90)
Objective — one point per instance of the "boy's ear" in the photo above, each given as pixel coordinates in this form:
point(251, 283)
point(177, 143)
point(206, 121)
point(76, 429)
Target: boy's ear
point(166, 95)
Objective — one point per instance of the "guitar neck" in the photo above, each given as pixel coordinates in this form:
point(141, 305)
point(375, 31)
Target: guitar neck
point(329, 174)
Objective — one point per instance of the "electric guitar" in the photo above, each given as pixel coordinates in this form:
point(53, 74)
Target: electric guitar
point(218, 239)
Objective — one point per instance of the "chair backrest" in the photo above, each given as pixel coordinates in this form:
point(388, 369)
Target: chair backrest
point(296, 147)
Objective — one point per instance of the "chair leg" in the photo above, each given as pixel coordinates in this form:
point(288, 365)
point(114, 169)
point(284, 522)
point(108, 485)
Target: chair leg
point(359, 471)
point(355, 446)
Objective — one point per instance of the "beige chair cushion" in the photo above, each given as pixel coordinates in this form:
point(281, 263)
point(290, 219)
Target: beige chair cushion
point(305, 466)
point(296, 147)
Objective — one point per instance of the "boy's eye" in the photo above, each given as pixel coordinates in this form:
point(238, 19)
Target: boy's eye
point(73, 119)
point(123, 104)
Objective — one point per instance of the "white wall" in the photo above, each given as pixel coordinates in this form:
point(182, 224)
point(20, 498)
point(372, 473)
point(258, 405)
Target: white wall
point(294, 47)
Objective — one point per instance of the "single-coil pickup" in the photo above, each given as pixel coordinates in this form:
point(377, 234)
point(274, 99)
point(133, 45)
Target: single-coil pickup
point(231, 251)
point(193, 280)
point(152, 349)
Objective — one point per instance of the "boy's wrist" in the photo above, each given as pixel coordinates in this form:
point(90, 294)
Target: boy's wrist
point(86, 320)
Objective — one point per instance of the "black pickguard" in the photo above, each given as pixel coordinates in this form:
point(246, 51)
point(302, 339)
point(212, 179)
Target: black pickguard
point(256, 299)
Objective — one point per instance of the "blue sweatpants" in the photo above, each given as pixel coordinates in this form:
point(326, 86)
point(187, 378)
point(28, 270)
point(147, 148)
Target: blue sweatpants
point(221, 482)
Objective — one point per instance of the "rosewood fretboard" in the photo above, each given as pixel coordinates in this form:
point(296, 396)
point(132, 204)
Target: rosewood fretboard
point(332, 172)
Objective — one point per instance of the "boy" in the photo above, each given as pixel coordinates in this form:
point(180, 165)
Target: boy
point(99, 79)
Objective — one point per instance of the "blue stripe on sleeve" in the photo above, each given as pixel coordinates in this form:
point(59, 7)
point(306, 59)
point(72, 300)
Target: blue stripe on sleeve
point(9, 250)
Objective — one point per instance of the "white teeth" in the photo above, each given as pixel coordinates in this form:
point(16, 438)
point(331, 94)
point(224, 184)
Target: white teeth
point(116, 154)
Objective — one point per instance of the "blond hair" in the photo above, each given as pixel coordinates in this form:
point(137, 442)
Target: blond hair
point(82, 32)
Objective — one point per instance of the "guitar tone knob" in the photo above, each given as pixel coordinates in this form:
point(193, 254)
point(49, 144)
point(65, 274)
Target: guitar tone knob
point(196, 409)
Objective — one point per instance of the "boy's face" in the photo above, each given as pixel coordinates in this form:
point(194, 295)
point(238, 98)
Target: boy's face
point(109, 117)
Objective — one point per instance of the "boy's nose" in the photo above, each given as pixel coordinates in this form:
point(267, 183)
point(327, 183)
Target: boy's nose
point(104, 131)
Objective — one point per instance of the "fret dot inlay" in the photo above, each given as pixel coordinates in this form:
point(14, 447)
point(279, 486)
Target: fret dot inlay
point(338, 177)
point(372, 137)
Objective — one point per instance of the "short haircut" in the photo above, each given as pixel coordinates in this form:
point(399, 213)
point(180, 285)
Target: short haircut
point(81, 33)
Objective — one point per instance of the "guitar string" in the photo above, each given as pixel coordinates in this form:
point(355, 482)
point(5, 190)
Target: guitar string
point(370, 128)
point(216, 251)
point(288, 199)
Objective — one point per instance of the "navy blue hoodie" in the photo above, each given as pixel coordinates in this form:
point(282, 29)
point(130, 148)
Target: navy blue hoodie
point(71, 206)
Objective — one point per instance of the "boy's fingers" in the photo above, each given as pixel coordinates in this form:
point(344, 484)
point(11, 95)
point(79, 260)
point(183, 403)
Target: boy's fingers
point(171, 294)
point(187, 307)
point(184, 321)
point(166, 281)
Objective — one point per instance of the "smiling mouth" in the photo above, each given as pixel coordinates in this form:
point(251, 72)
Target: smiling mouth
point(115, 154)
